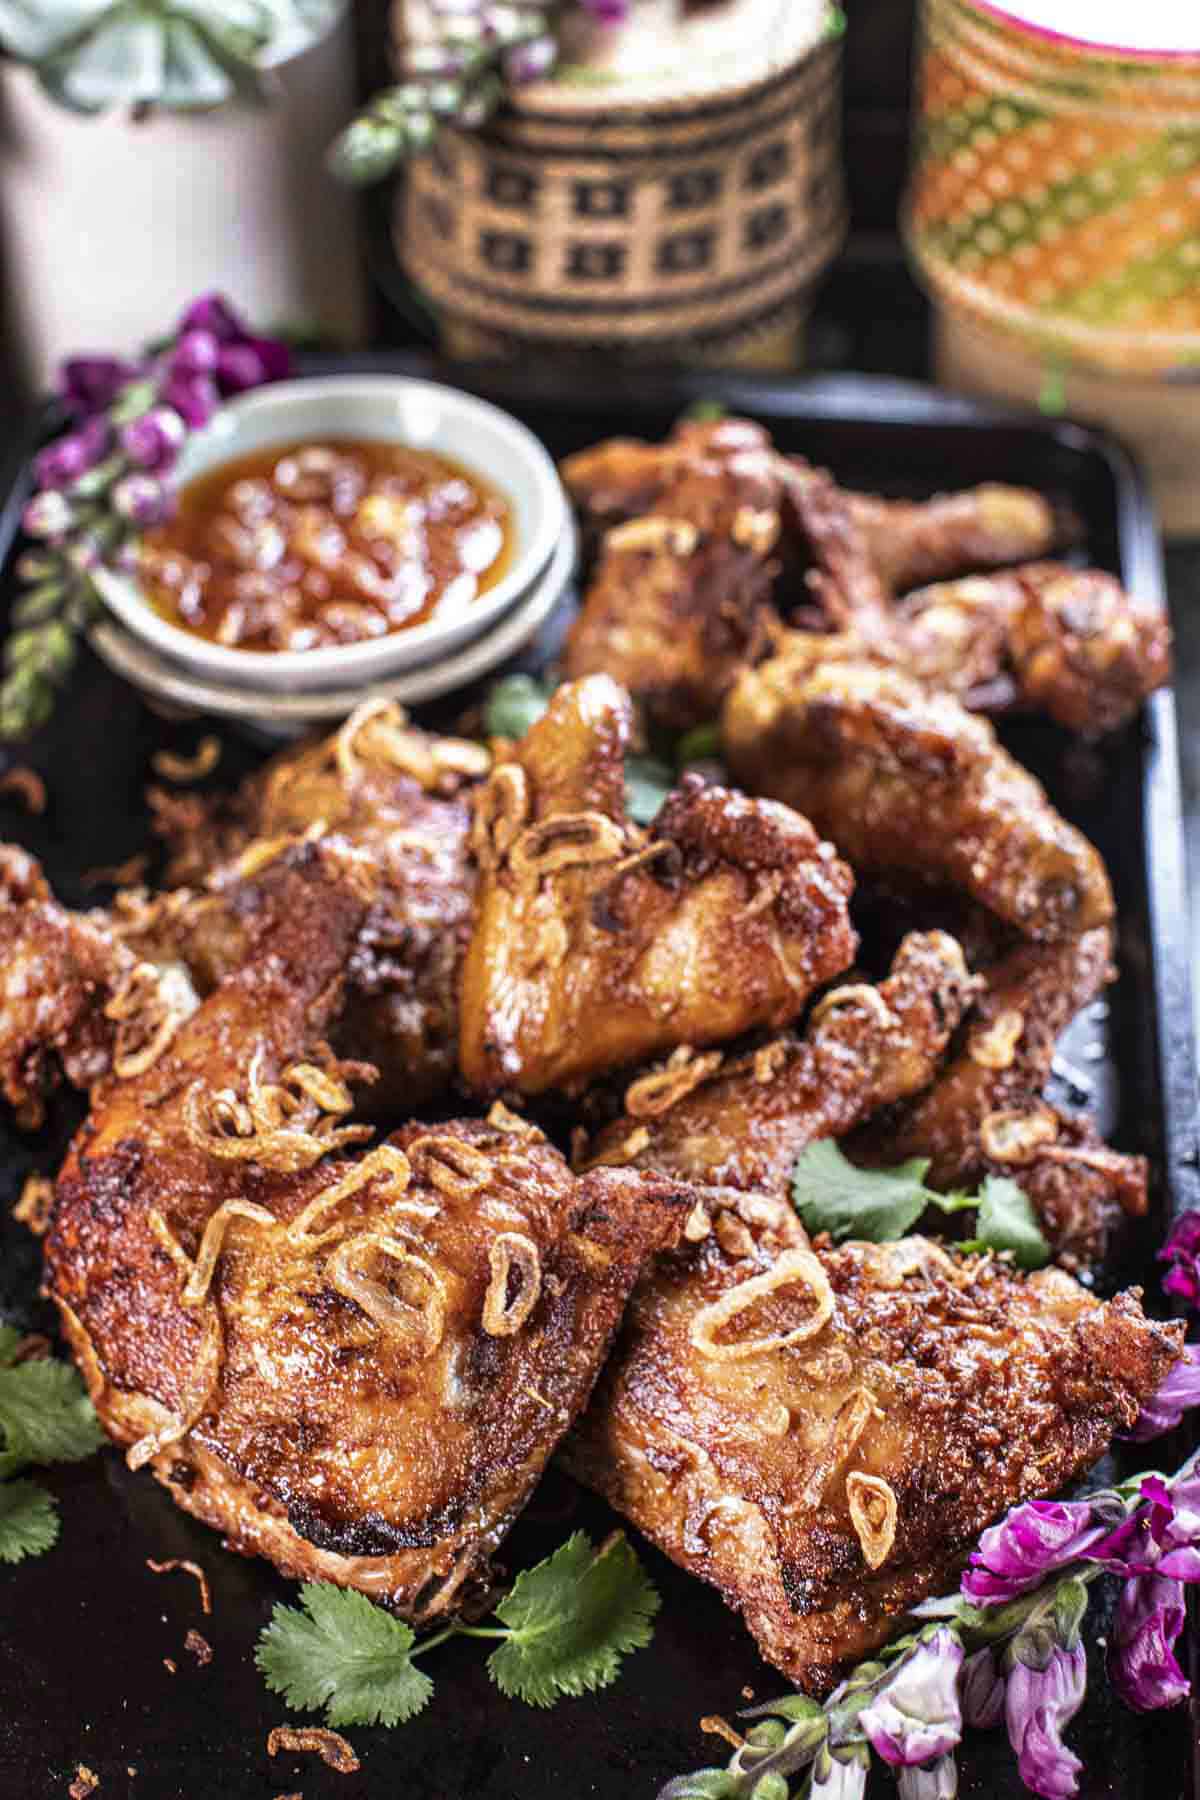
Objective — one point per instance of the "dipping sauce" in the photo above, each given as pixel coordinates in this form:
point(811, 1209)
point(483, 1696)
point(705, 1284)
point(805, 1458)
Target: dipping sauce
point(304, 546)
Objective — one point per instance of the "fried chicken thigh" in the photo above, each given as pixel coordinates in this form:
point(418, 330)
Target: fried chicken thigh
point(903, 780)
point(357, 1366)
point(823, 1435)
point(597, 944)
point(742, 1122)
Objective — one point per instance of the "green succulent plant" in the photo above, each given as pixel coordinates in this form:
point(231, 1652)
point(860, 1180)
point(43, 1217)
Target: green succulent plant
point(182, 55)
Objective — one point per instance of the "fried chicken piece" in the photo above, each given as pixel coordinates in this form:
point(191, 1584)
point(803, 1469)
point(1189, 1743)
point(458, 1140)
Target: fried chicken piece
point(742, 1123)
point(622, 478)
point(403, 797)
point(1083, 650)
point(911, 542)
point(681, 594)
point(823, 1436)
point(597, 944)
point(908, 781)
point(984, 1114)
point(356, 1366)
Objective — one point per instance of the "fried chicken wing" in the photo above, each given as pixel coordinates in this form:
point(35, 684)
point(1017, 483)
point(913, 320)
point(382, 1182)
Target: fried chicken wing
point(742, 1122)
point(908, 781)
point(597, 944)
point(680, 596)
point(356, 1366)
point(911, 542)
point(403, 797)
point(823, 1435)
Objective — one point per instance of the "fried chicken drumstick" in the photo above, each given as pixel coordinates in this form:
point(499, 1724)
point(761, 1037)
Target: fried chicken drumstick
point(823, 1435)
point(597, 944)
point(355, 1366)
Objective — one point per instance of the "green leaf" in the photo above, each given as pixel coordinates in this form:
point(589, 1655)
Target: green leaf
point(28, 1520)
point(45, 1416)
point(571, 1620)
point(704, 1784)
point(701, 744)
point(1007, 1221)
point(647, 784)
point(706, 412)
point(344, 1654)
point(513, 705)
point(832, 1195)
point(10, 1337)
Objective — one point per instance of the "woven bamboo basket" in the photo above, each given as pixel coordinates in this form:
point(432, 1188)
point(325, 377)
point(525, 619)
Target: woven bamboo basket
point(678, 227)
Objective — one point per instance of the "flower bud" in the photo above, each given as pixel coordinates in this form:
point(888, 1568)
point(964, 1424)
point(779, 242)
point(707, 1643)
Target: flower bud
point(141, 500)
point(193, 397)
point(981, 1689)
point(840, 1774)
point(1141, 1660)
point(1166, 1406)
point(1035, 1538)
point(49, 516)
point(530, 61)
point(936, 1781)
point(152, 441)
point(1038, 1704)
point(195, 353)
point(88, 384)
point(213, 315)
point(914, 1716)
point(61, 463)
point(1182, 1252)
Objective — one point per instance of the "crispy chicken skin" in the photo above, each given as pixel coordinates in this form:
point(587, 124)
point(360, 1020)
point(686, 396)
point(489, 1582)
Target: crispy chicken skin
point(356, 1366)
point(680, 595)
point(984, 1113)
point(402, 796)
point(911, 542)
point(903, 780)
point(828, 1483)
point(742, 1122)
point(597, 944)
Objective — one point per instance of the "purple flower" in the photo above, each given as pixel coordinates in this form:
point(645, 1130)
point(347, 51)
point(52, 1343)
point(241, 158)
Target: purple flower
point(152, 441)
point(1141, 1661)
point(49, 516)
point(936, 1781)
point(531, 60)
point(64, 461)
point(88, 384)
point(193, 397)
point(1038, 1704)
point(212, 313)
point(915, 1716)
point(195, 353)
point(250, 363)
point(1161, 1537)
point(840, 1776)
point(607, 12)
point(141, 499)
point(1178, 1394)
point(1182, 1251)
point(1035, 1538)
point(981, 1690)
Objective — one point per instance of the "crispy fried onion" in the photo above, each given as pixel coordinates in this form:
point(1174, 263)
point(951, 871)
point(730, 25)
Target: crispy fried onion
point(873, 1512)
point(456, 1168)
point(799, 1266)
point(510, 1251)
point(417, 1322)
point(849, 1423)
point(262, 851)
point(202, 1379)
point(284, 1126)
point(378, 732)
point(149, 1007)
point(855, 993)
point(188, 768)
point(189, 1568)
point(654, 532)
point(385, 1164)
point(502, 809)
point(34, 1207)
point(27, 785)
point(1017, 1137)
point(501, 1118)
point(330, 1746)
point(656, 1093)
point(994, 1046)
point(200, 1273)
point(566, 841)
point(84, 1352)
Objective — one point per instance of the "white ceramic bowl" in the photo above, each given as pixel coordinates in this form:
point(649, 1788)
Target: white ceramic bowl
point(396, 409)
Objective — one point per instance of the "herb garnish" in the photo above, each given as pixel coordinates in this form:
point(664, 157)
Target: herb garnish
point(832, 1194)
point(564, 1627)
point(45, 1417)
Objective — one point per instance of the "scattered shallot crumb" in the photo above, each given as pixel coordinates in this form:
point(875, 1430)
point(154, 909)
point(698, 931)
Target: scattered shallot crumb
point(200, 1647)
point(177, 1562)
point(329, 1746)
point(124, 874)
point(27, 785)
point(188, 768)
point(718, 1727)
point(747, 1693)
point(86, 1782)
point(33, 1208)
point(172, 1668)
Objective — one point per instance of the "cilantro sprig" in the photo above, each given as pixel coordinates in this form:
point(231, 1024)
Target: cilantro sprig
point(832, 1194)
point(45, 1417)
point(564, 1628)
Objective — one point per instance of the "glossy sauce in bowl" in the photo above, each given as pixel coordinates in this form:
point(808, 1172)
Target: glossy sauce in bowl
point(309, 545)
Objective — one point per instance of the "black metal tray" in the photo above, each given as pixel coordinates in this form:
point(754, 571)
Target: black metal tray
point(84, 1631)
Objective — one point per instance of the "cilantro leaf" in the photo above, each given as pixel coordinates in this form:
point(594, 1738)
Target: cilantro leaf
point(831, 1194)
point(513, 705)
point(343, 1653)
point(28, 1520)
point(706, 412)
point(45, 1416)
point(647, 784)
point(704, 1784)
point(571, 1619)
point(1007, 1221)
